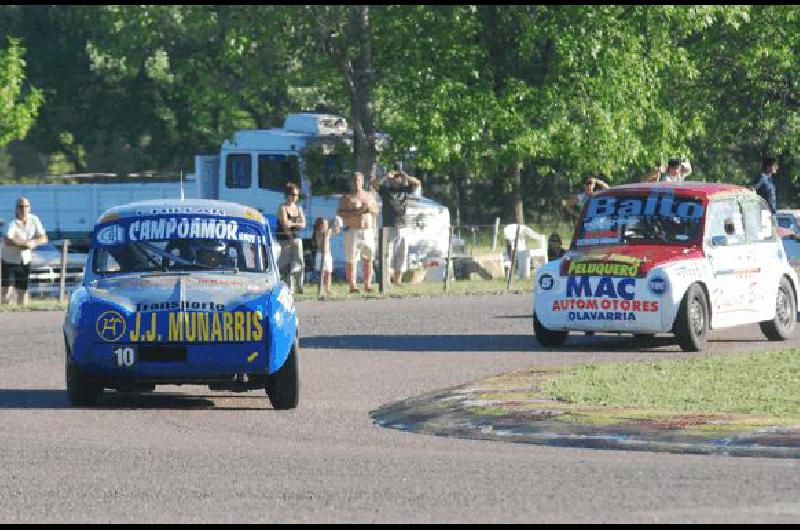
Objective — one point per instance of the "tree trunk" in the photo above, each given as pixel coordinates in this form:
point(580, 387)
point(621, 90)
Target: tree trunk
point(361, 95)
point(350, 30)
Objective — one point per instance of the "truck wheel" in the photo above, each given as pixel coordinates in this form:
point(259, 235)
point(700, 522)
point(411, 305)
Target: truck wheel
point(691, 324)
point(82, 389)
point(283, 387)
point(782, 326)
point(548, 337)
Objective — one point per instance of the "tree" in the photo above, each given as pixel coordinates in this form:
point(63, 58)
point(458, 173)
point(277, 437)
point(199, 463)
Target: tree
point(345, 36)
point(18, 105)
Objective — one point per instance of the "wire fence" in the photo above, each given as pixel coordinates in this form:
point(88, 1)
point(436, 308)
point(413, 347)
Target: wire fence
point(47, 277)
point(451, 254)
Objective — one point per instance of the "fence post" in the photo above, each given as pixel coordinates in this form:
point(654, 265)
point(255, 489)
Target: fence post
point(62, 291)
point(383, 249)
point(494, 234)
point(325, 250)
point(513, 259)
point(447, 260)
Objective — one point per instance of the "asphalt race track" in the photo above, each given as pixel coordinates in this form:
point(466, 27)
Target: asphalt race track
point(184, 454)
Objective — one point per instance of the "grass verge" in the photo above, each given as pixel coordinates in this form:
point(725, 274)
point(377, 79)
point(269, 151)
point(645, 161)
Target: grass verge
point(34, 305)
point(755, 384)
point(424, 289)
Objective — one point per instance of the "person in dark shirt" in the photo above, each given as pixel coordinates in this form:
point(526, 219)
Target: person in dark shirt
point(394, 191)
point(764, 185)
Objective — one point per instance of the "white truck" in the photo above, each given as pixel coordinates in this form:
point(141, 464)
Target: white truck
point(252, 168)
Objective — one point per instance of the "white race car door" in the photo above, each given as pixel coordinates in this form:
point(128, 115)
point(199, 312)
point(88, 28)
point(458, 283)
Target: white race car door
point(732, 262)
point(766, 253)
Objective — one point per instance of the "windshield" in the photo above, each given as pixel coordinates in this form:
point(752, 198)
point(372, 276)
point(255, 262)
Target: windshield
point(657, 218)
point(786, 221)
point(179, 244)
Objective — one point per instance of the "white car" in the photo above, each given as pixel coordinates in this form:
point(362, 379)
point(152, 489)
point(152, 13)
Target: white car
point(678, 258)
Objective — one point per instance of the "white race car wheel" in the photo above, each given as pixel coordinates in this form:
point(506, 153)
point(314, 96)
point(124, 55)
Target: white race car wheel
point(782, 326)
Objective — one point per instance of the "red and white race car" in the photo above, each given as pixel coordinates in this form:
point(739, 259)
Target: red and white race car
point(678, 258)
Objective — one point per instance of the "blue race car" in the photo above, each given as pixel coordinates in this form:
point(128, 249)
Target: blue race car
point(180, 293)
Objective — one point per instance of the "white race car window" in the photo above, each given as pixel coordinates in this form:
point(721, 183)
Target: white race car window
point(725, 219)
point(758, 220)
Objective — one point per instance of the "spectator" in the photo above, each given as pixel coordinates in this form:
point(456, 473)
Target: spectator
point(324, 260)
point(677, 170)
point(358, 210)
point(394, 192)
point(554, 250)
point(575, 204)
point(22, 235)
point(290, 221)
point(765, 184)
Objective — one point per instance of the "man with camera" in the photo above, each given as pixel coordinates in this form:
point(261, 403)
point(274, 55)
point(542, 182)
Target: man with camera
point(575, 203)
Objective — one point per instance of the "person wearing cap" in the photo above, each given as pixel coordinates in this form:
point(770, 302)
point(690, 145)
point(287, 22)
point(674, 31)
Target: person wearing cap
point(23, 234)
point(554, 249)
point(676, 170)
point(765, 185)
point(575, 204)
point(394, 192)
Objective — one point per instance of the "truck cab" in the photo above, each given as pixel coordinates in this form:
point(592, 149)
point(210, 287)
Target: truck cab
point(315, 152)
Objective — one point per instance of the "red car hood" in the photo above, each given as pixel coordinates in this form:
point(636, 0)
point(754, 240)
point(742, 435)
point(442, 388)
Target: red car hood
point(625, 260)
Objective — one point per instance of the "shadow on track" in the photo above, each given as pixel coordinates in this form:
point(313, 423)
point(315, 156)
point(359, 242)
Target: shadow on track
point(482, 343)
point(24, 399)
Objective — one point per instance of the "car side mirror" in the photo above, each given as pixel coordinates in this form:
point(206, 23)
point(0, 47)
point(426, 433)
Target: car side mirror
point(719, 241)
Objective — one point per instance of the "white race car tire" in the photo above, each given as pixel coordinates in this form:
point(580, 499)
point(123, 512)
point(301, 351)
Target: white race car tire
point(547, 337)
point(785, 321)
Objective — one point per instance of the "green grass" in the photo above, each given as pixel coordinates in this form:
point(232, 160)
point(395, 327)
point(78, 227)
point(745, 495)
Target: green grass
point(763, 383)
point(424, 289)
point(34, 305)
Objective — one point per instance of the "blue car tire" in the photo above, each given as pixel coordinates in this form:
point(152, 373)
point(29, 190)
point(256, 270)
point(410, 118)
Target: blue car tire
point(283, 387)
point(83, 390)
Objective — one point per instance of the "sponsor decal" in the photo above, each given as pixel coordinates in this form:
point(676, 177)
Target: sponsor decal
point(607, 287)
point(593, 304)
point(166, 228)
point(612, 299)
point(658, 204)
point(689, 272)
point(110, 326)
point(609, 265)
point(190, 327)
point(658, 285)
point(111, 235)
point(183, 305)
point(546, 282)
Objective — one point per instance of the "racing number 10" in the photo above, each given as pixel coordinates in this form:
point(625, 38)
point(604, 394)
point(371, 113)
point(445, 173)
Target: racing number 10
point(125, 356)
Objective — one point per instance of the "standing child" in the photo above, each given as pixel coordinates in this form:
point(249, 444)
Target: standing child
point(324, 260)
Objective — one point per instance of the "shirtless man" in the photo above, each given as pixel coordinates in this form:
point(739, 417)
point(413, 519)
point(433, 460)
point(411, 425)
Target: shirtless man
point(358, 210)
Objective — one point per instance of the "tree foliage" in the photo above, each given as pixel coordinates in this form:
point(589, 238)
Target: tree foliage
point(18, 106)
point(517, 101)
